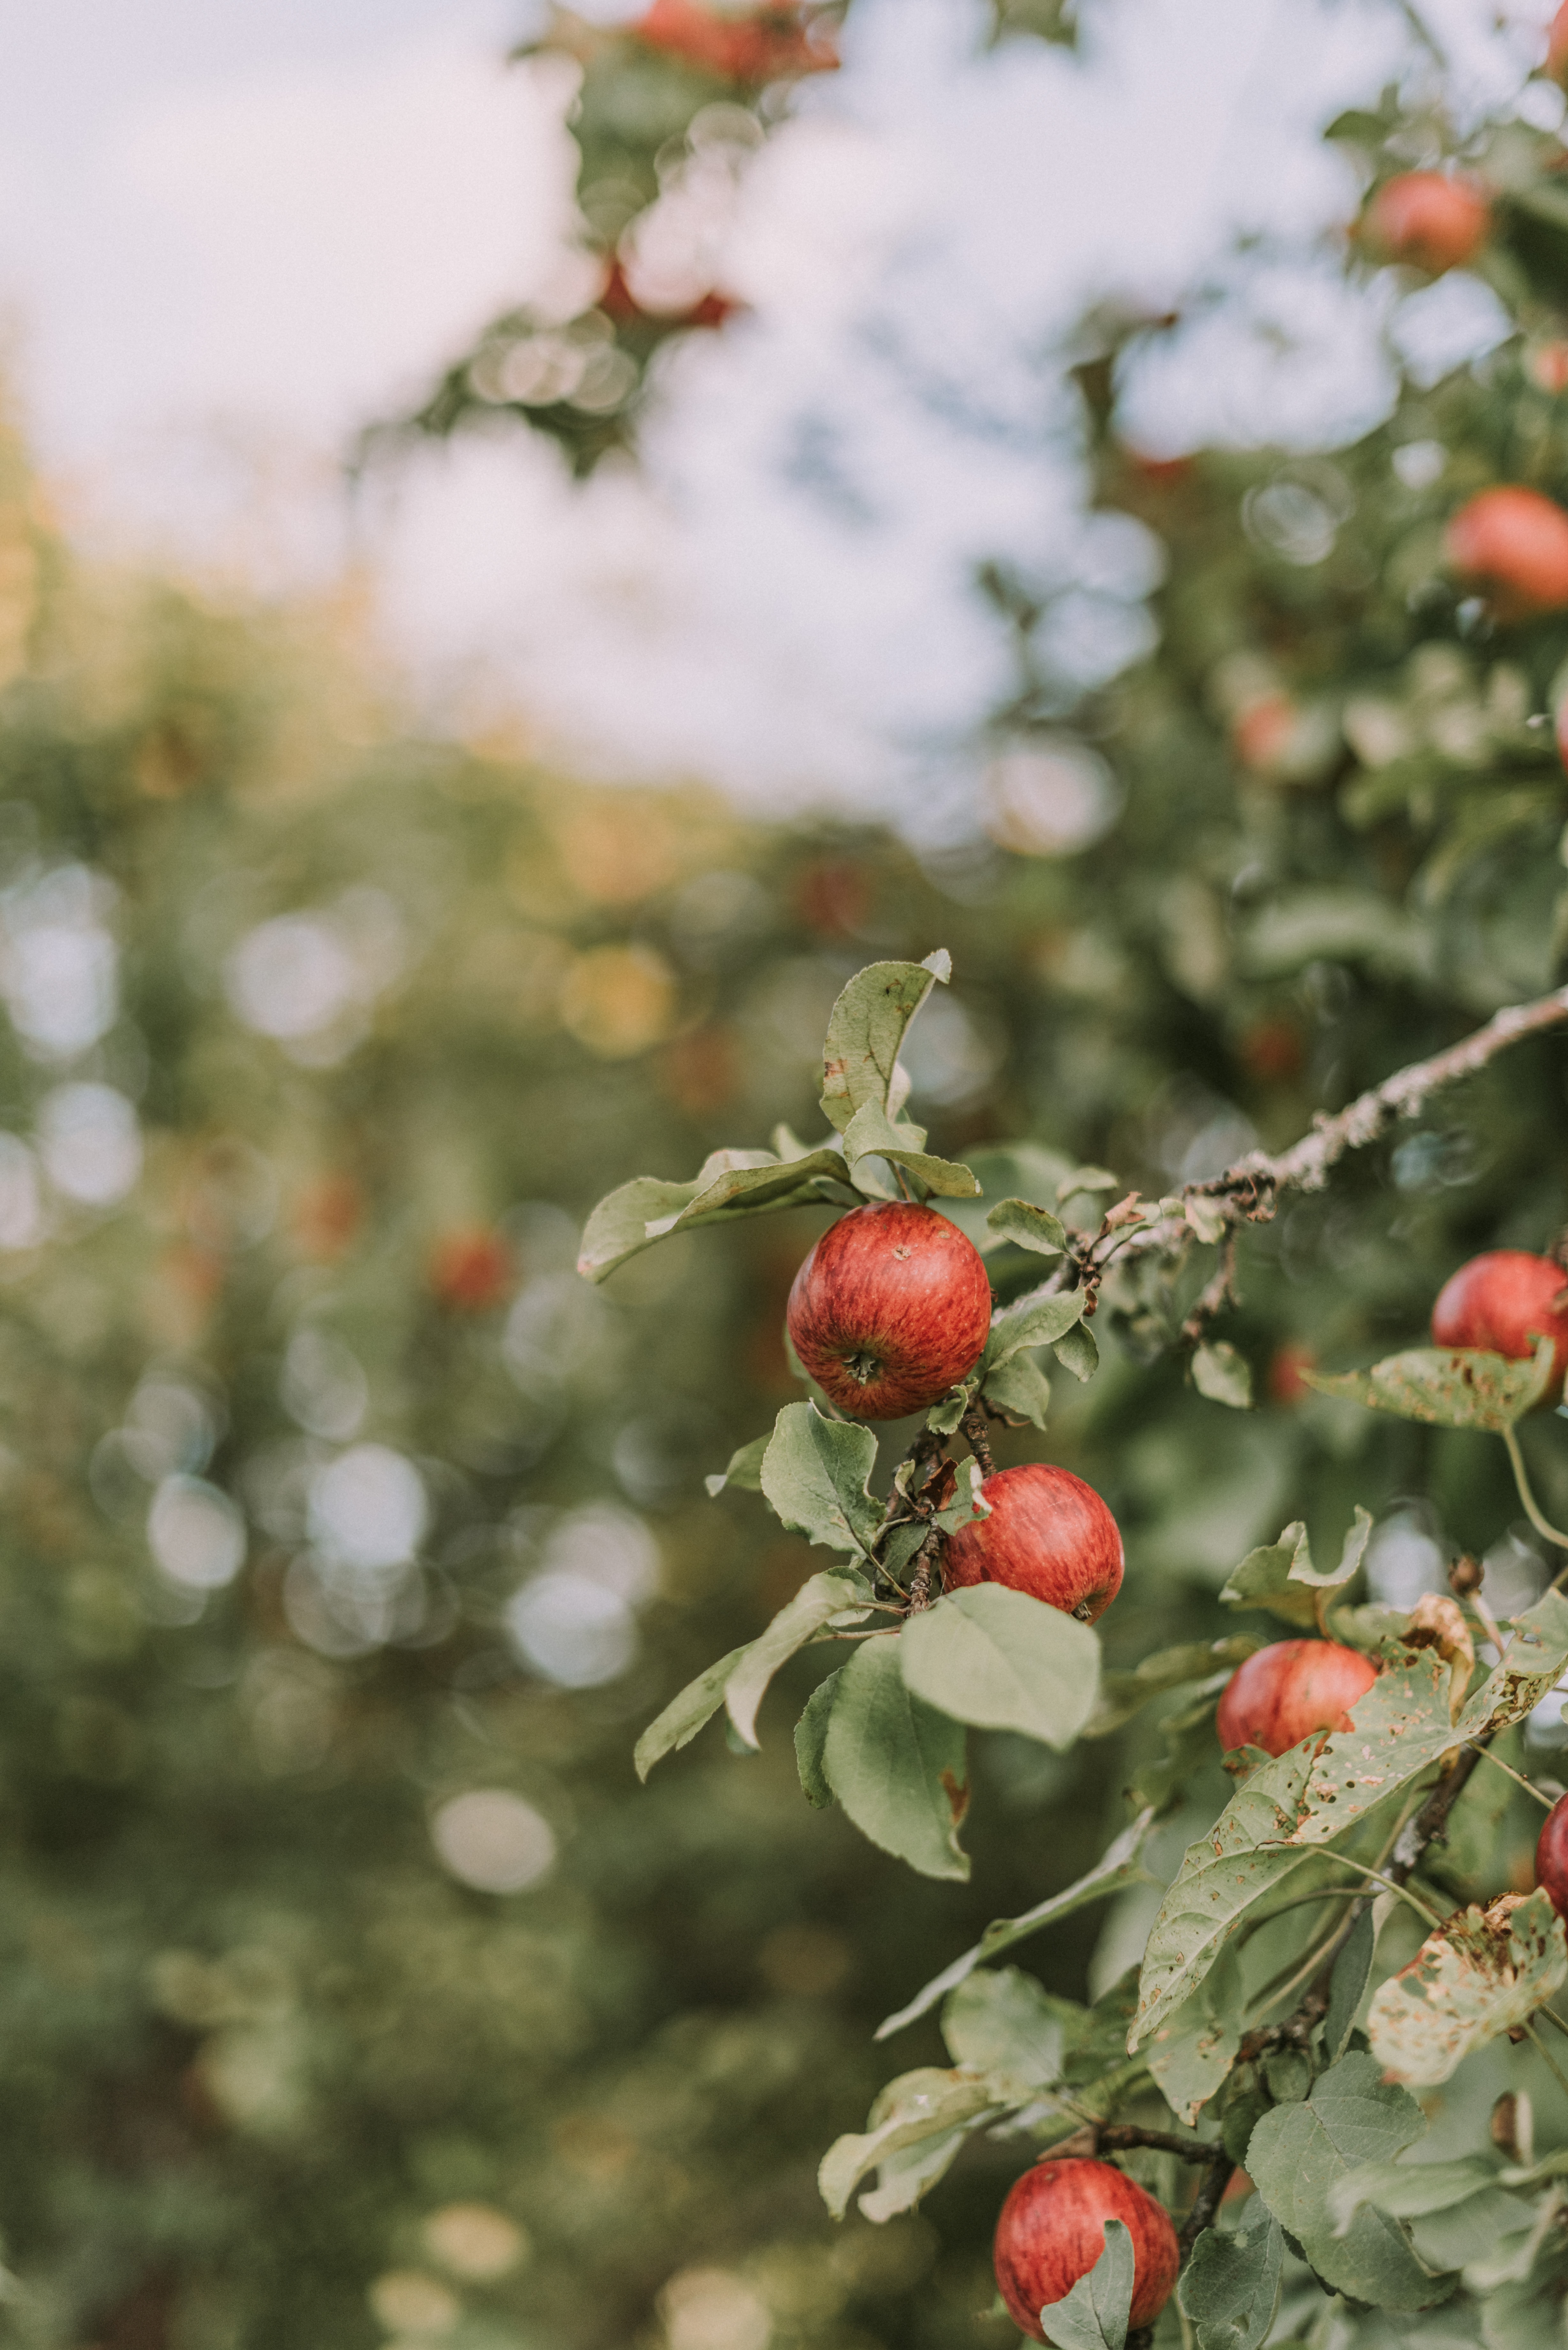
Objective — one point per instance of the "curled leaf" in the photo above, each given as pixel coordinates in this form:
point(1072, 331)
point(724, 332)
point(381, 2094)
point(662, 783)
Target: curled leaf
point(1485, 1973)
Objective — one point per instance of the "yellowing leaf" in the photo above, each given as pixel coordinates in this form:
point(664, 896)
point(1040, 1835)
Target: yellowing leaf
point(1484, 1975)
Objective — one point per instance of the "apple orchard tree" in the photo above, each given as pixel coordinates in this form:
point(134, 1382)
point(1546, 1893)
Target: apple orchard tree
point(1380, 634)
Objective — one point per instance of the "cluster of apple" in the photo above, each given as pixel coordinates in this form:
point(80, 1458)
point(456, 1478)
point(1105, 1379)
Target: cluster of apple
point(889, 1313)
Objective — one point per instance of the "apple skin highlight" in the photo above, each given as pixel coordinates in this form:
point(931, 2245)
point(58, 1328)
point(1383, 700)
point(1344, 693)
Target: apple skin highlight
point(1052, 2232)
point(891, 1309)
point(1049, 1534)
point(1289, 1689)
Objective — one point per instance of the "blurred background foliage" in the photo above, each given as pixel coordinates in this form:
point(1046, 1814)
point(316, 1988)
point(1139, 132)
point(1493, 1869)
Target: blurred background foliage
point(353, 1992)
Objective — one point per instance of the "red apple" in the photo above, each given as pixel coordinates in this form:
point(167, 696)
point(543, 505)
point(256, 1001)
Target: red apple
point(1048, 1533)
point(1428, 218)
point(1287, 1690)
point(469, 1270)
point(765, 44)
point(891, 1309)
point(1052, 2232)
point(1552, 1857)
point(1501, 1303)
point(1546, 365)
point(1513, 543)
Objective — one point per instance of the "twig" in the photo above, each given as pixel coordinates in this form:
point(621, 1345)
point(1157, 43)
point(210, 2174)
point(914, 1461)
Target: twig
point(1119, 2137)
point(1532, 1510)
point(1250, 1191)
point(975, 1427)
point(1220, 1291)
point(920, 1592)
point(1517, 1776)
point(1209, 2197)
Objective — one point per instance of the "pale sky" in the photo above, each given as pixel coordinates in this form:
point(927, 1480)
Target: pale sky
point(231, 233)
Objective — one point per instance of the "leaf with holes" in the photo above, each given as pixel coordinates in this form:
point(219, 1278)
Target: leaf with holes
point(1193, 2050)
point(1448, 1387)
point(897, 1765)
point(866, 1031)
point(1485, 1973)
point(1003, 1661)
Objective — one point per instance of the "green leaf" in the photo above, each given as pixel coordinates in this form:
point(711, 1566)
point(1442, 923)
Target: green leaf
point(1077, 1352)
point(945, 1416)
point(1229, 2288)
point(1004, 1661)
point(1087, 1179)
point(1347, 1985)
point(818, 1598)
point(1207, 1216)
point(1281, 1577)
point(1189, 1745)
point(814, 1473)
point(897, 1765)
point(1408, 2190)
point(1223, 1376)
point(810, 1738)
point(1243, 1856)
point(917, 2107)
point(1484, 1975)
point(904, 2175)
point(1020, 1388)
point(1193, 2050)
point(872, 1134)
point(967, 1503)
point(1297, 2156)
point(866, 1031)
point(684, 1716)
point(1005, 2023)
point(1029, 1227)
point(1124, 1694)
point(1022, 1170)
point(1033, 1322)
point(731, 1184)
point(1116, 1867)
point(1448, 1386)
point(1094, 2315)
point(744, 1470)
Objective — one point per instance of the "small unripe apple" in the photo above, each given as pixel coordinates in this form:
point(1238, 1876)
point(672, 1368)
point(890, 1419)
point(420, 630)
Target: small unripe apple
point(1289, 1689)
point(1052, 2232)
point(1552, 1857)
point(891, 1309)
point(1427, 219)
point(1501, 1303)
point(469, 1270)
point(1048, 1533)
point(1512, 543)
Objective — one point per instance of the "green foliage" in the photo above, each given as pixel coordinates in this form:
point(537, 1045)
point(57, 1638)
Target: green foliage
point(1452, 1390)
point(1003, 1661)
point(1093, 2314)
point(1230, 2287)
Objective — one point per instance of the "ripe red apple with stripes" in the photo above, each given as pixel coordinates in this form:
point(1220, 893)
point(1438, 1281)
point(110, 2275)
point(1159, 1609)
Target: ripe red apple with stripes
point(1048, 1533)
point(1289, 1689)
point(891, 1309)
point(1503, 1303)
point(1052, 2232)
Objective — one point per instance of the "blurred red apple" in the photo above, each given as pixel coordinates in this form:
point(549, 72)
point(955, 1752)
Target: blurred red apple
point(1556, 59)
point(1546, 365)
point(1501, 1303)
point(469, 1270)
point(1512, 543)
point(1428, 218)
point(1052, 2232)
point(762, 45)
point(1261, 731)
point(1048, 1533)
point(891, 1309)
point(1286, 1364)
point(1289, 1689)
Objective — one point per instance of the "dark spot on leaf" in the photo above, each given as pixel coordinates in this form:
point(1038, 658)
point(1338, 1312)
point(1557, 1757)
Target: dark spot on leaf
point(957, 1795)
